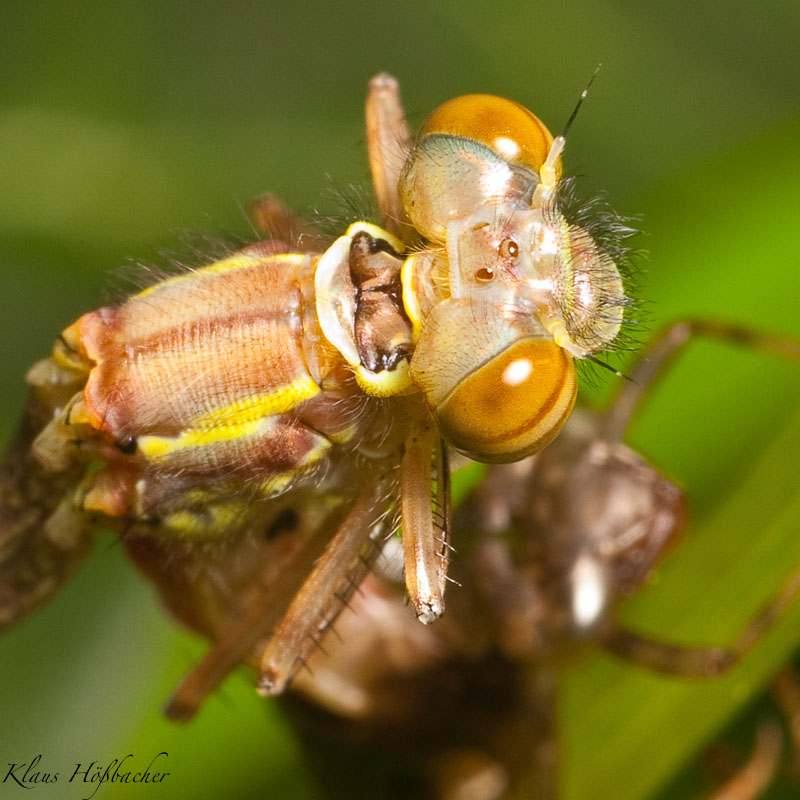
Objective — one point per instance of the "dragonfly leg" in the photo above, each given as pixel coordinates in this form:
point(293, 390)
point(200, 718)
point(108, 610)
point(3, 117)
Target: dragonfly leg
point(388, 144)
point(323, 595)
point(666, 346)
point(262, 611)
point(282, 614)
point(425, 551)
point(702, 662)
point(273, 217)
point(670, 659)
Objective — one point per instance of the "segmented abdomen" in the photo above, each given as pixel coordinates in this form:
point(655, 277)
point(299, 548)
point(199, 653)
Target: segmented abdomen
point(210, 371)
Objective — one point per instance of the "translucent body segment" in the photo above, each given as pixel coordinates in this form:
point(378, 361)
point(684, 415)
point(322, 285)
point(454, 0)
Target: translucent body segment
point(213, 390)
point(205, 393)
point(188, 355)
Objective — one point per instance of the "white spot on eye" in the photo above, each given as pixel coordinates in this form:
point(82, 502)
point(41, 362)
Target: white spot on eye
point(495, 180)
point(517, 372)
point(588, 591)
point(507, 148)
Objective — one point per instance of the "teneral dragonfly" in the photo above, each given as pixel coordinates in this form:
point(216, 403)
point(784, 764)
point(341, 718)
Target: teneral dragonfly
point(196, 416)
point(548, 547)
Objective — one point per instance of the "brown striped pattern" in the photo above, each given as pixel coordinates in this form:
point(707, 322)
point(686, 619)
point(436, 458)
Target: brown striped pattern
point(185, 350)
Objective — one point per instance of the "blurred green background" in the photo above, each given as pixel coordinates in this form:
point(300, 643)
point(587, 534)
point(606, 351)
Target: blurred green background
point(124, 125)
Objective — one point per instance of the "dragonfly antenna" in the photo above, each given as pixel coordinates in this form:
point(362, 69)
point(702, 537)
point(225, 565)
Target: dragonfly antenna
point(580, 102)
point(603, 364)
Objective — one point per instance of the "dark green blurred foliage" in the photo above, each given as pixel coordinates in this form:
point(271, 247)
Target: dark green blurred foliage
point(124, 125)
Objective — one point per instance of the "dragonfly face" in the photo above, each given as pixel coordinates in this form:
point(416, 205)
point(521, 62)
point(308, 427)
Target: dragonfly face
point(202, 406)
point(526, 290)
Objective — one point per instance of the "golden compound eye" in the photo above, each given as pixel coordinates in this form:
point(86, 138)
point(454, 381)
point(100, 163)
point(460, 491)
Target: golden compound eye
point(484, 275)
point(509, 129)
point(513, 405)
point(508, 248)
point(470, 151)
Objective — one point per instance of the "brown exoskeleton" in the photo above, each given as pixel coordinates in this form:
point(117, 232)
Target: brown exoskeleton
point(547, 548)
point(199, 415)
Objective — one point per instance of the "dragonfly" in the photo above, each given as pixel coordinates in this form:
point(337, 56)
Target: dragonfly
point(253, 427)
point(549, 546)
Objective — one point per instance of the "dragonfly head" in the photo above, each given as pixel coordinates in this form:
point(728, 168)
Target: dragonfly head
point(527, 290)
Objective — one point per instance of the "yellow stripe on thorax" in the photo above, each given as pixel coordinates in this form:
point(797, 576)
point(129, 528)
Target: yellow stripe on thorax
point(410, 300)
point(234, 421)
point(278, 401)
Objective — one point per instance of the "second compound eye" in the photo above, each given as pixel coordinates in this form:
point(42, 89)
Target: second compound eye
point(508, 248)
point(484, 275)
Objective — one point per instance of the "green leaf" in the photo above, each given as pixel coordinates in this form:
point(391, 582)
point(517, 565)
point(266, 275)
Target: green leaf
point(725, 423)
